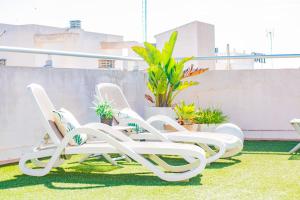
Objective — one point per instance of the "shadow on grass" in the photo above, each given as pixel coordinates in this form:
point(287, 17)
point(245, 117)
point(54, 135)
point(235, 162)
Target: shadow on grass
point(92, 173)
point(295, 156)
point(222, 163)
point(91, 166)
point(57, 180)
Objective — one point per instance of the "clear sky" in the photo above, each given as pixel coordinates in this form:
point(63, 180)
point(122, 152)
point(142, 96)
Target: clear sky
point(242, 23)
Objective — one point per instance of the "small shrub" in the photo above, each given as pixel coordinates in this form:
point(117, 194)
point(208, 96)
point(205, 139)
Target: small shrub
point(104, 110)
point(210, 116)
point(185, 113)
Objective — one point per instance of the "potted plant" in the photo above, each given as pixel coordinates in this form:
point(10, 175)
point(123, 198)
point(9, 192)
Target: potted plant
point(166, 76)
point(208, 119)
point(186, 114)
point(104, 110)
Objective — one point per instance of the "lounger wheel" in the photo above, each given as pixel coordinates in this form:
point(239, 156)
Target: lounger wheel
point(232, 152)
point(231, 129)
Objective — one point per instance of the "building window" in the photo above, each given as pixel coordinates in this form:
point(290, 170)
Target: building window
point(106, 63)
point(2, 62)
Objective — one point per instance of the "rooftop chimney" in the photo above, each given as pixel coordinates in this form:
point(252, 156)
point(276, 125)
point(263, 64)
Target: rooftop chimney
point(75, 24)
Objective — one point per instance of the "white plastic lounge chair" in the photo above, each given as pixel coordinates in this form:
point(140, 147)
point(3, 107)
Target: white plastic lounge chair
point(296, 124)
point(111, 141)
point(226, 145)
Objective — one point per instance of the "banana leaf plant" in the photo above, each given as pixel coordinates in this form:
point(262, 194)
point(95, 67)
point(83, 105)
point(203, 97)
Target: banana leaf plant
point(165, 74)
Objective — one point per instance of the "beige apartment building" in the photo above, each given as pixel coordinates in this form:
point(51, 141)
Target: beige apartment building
point(195, 39)
point(72, 38)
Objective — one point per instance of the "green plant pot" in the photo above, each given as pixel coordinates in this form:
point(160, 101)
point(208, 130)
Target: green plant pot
point(106, 121)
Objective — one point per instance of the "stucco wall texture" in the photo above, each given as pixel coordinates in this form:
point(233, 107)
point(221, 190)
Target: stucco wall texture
point(73, 89)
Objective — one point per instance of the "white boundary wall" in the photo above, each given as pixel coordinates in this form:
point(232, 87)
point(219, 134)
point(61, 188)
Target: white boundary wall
point(261, 102)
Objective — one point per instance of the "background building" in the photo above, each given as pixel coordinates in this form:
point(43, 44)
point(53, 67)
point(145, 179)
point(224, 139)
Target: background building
point(73, 38)
point(229, 64)
point(194, 39)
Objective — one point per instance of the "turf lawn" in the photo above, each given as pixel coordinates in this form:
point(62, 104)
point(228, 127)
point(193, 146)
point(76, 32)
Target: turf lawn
point(264, 170)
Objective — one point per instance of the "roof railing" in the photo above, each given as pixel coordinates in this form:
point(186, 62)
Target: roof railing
point(126, 58)
point(65, 53)
point(258, 56)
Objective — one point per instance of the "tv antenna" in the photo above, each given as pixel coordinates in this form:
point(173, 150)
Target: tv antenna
point(144, 20)
point(270, 36)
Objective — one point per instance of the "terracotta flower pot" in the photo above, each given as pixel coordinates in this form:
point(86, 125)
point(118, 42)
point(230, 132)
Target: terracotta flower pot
point(190, 127)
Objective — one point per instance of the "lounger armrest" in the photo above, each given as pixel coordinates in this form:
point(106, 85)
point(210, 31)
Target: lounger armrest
point(109, 130)
point(147, 126)
point(168, 120)
point(89, 131)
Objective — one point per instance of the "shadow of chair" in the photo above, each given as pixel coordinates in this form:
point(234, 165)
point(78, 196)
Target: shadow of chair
point(95, 174)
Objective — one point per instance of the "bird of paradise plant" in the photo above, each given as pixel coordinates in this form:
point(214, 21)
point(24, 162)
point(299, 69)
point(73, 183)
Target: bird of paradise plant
point(165, 74)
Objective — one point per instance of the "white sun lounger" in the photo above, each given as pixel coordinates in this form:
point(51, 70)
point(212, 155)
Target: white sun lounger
point(226, 145)
point(111, 141)
point(296, 124)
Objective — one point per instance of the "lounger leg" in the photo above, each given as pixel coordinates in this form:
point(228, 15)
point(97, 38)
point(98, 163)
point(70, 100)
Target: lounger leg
point(110, 159)
point(296, 148)
point(36, 155)
point(172, 168)
point(39, 163)
point(207, 149)
point(213, 155)
point(122, 157)
point(84, 158)
point(106, 156)
point(127, 158)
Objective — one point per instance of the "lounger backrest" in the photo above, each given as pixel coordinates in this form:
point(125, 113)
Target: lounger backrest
point(46, 109)
point(112, 93)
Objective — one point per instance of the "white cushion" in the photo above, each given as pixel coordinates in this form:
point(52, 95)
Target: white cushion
point(66, 122)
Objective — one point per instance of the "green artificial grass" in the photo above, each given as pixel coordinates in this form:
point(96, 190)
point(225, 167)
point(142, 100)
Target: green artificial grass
point(264, 170)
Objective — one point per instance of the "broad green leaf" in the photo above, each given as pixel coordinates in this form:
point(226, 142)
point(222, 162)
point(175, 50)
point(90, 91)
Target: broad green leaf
point(184, 60)
point(154, 54)
point(142, 52)
point(186, 84)
point(164, 73)
point(167, 51)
